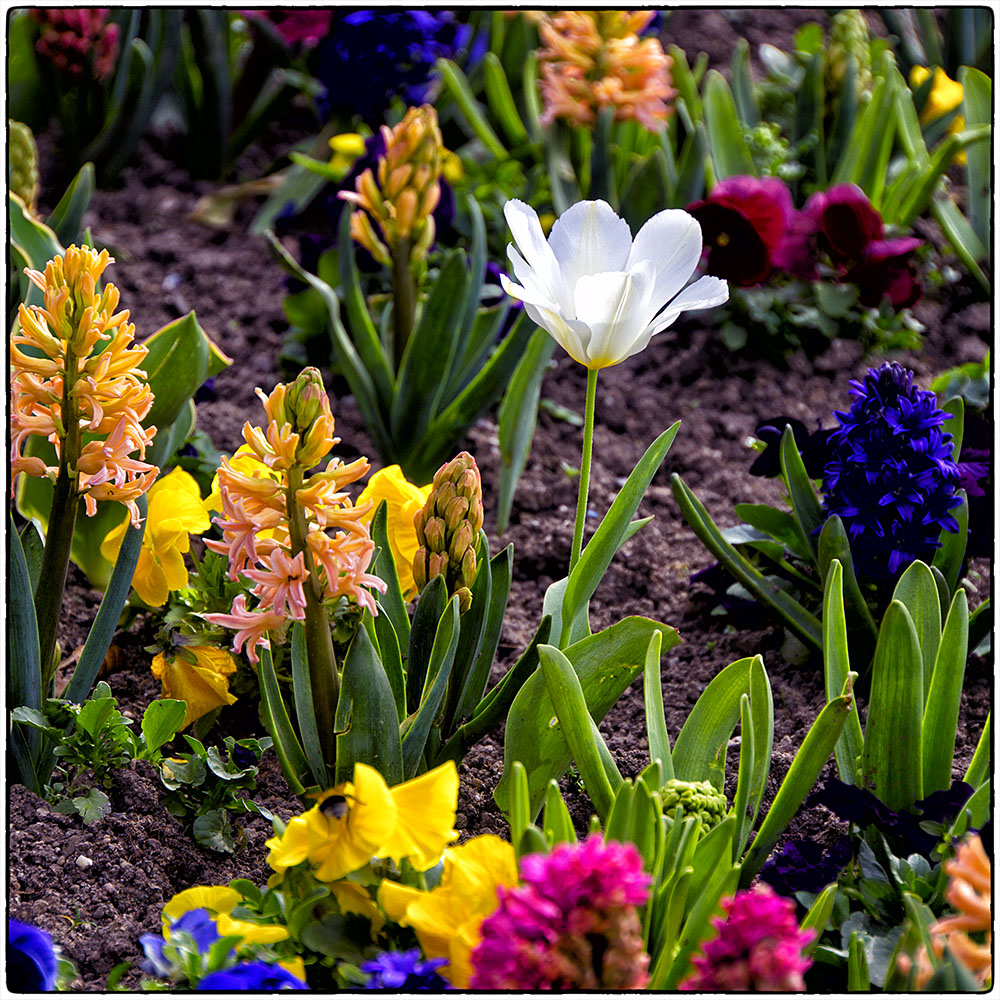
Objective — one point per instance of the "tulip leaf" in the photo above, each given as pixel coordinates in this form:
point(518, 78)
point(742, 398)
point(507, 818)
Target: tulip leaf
point(810, 759)
point(950, 554)
point(106, 622)
point(161, 722)
point(656, 722)
point(762, 718)
point(606, 663)
point(744, 778)
point(275, 715)
point(837, 667)
point(517, 417)
point(891, 763)
point(305, 712)
point(67, 217)
point(730, 152)
point(608, 538)
point(556, 821)
point(940, 721)
point(917, 592)
point(798, 620)
point(518, 811)
point(366, 721)
point(979, 766)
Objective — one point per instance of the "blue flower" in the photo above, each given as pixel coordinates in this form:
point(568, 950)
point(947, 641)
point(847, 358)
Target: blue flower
point(198, 924)
point(399, 49)
point(257, 976)
point(31, 959)
point(398, 970)
point(805, 866)
point(891, 477)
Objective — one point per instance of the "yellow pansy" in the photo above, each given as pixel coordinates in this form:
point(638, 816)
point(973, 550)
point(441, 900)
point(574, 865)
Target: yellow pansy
point(342, 841)
point(403, 501)
point(353, 898)
point(175, 511)
point(425, 812)
point(204, 684)
point(946, 94)
point(447, 919)
point(214, 898)
point(295, 966)
point(250, 932)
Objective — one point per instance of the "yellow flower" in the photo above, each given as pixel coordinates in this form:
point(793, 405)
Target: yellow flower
point(353, 898)
point(403, 502)
point(338, 842)
point(346, 148)
point(250, 932)
point(295, 966)
point(425, 812)
point(946, 95)
point(204, 684)
point(175, 511)
point(447, 919)
point(214, 898)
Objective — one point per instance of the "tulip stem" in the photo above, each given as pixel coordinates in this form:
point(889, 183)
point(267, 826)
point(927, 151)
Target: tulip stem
point(588, 447)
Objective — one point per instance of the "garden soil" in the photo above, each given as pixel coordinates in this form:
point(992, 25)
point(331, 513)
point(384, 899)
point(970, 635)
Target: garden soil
point(97, 888)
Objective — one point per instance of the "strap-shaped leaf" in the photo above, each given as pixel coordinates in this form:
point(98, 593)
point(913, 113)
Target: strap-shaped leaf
point(439, 668)
point(730, 152)
point(286, 744)
point(950, 554)
point(392, 660)
point(858, 979)
point(176, 365)
point(817, 916)
point(501, 100)
point(67, 217)
point(798, 620)
point(955, 425)
point(556, 821)
point(781, 525)
point(891, 763)
point(471, 110)
point(977, 109)
point(427, 614)
point(960, 234)
point(479, 340)
point(801, 777)
point(366, 721)
point(917, 592)
point(744, 95)
point(940, 722)
point(608, 537)
point(808, 510)
point(477, 270)
point(384, 567)
point(744, 778)
point(305, 714)
point(837, 667)
point(606, 664)
point(762, 717)
point(103, 629)
point(979, 766)
point(520, 817)
point(24, 675)
point(656, 722)
point(517, 418)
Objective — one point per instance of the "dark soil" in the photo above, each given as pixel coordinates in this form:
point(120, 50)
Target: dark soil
point(167, 264)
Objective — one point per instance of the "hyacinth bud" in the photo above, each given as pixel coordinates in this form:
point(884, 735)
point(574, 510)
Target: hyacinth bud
point(22, 163)
point(306, 400)
point(448, 529)
point(849, 36)
point(695, 798)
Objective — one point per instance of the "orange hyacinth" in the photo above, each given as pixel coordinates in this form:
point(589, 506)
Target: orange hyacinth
point(275, 523)
point(89, 406)
point(595, 59)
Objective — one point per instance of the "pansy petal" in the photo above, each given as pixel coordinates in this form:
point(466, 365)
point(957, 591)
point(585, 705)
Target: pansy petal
point(425, 812)
point(589, 238)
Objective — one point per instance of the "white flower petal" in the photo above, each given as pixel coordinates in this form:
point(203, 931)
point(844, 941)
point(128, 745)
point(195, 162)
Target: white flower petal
point(529, 293)
point(572, 335)
point(616, 304)
point(672, 240)
point(703, 294)
point(588, 238)
point(527, 231)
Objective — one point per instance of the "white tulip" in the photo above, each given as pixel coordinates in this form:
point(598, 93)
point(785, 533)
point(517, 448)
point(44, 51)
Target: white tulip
point(600, 294)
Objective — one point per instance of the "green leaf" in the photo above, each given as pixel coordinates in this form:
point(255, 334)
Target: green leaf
point(392, 660)
point(818, 915)
point(429, 608)
point(962, 237)
point(384, 567)
point(979, 766)
point(103, 629)
point(656, 722)
point(940, 719)
point(93, 806)
point(977, 108)
point(806, 505)
point(950, 554)
point(24, 672)
point(305, 713)
point(608, 538)
point(176, 365)
point(275, 717)
point(956, 424)
point(858, 980)
point(744, 778)
point(367, 726)
point(606, 663)
point(33, 548)
point(837, 667)
point(67, 217)
point(517, 418)
point(798, 620)
point(570, 706)
point(501, 100)
point(892, 766)
point(762, 716)
point(161, 722)
point(214, 831)
point(744, 95)
point(518, 805)
point(810, 759)
point(781, 525)
point(471, 110)
point(36, 241)
point(556, 821)
point(730, 152)
point(917, 592)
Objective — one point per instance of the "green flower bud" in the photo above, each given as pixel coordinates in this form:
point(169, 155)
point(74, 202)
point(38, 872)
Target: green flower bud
point(306, 400)
point(695, 798)
point(22, 164)
point(849, 36)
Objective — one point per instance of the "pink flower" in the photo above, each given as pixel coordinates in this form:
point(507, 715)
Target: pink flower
point(758, 948)
point(280, 588)
point(252, 626)
point(307, 27)
point(571, 924)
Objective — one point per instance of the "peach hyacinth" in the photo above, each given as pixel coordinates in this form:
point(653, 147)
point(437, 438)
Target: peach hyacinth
point(275, 519)
point(595, 59)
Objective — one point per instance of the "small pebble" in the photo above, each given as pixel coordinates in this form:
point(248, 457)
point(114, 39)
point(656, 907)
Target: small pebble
point(83, 861)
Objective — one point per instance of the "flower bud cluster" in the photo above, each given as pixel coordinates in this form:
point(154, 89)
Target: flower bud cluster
point(403, 199)
point(448, 528)
point(60, 388)
point(595, 59)
point(22, 163)
point(695, 798)
point(275, 519)
point(79, 41)
point(849, 36)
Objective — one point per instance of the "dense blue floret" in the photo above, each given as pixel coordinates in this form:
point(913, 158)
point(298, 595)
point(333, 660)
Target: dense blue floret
point(891, 476)
point(404, 970)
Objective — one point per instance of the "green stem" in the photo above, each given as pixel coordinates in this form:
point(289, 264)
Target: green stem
point(588, 447)
point(404, 300)
point(319, 643)
point(59, 536)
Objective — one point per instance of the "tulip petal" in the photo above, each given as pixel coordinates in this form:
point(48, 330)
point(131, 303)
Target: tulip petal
point(706, 292)
point(571, 334)
point(589, 238)
point(618, 304)
point(527, 232)
point(672, 240)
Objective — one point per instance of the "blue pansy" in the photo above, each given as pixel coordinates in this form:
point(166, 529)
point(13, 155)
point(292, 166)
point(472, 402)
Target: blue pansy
point(805, 866)
point(404, 970)
point(891, 477)
point(257, 976)
point(199, 924)
point(31, 959)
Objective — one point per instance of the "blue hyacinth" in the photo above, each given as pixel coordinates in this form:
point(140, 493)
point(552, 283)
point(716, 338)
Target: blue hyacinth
point(404, 970)
point(891, 476)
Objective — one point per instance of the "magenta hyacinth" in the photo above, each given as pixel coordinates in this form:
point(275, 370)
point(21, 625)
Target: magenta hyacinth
point(758, 947)
point(571, 924)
